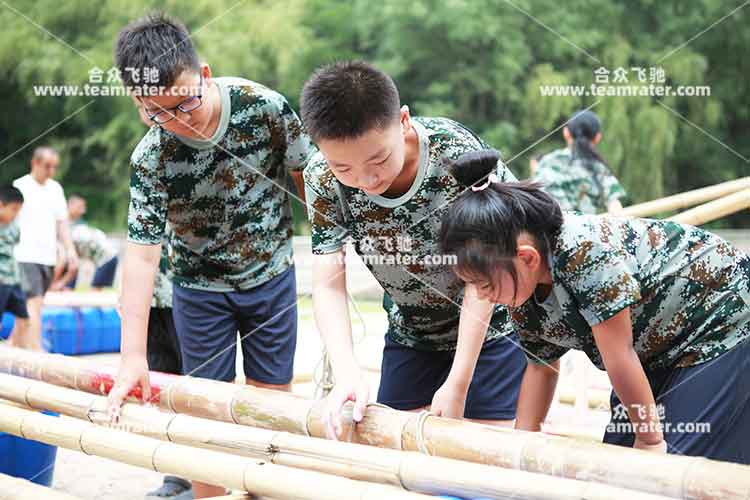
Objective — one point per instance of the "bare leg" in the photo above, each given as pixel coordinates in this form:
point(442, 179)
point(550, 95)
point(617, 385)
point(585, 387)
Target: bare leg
point(203, 490)
point(33, 334)
point(19, 333)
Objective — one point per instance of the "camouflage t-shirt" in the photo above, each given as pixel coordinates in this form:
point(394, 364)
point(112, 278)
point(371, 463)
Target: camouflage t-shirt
point(397, 238)
point(9, 237)
point(687, 289)
point(584, 187)
point(92, 244)
point(223, 197)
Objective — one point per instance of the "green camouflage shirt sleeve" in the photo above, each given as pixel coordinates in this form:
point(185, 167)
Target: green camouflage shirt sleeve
point(612, 188)
point(529, 327)
point(147, 213)
point(9, 238)
point(324, 211)
point(286, 127)
point(598, 279)
point(541, 352)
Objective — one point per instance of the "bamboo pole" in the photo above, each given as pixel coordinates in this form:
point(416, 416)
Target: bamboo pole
point(13, 488)
point(410, 470)
point(211, 467)
point(687, 199)
point(715, 209)
point(673, 476)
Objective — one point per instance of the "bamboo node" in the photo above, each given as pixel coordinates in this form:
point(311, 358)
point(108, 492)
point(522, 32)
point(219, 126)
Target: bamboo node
point(419, 434)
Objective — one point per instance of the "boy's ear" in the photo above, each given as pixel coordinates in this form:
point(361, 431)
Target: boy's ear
point(405, 119)
point(597, 138)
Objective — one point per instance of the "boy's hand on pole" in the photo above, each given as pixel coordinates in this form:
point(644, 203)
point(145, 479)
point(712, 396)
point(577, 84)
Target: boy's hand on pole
point(133, 373)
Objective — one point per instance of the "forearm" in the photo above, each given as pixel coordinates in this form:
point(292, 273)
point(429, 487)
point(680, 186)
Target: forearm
point(331, 311)
point(139, 272)
point(63, 232)
point(537, 391)
point(472, 331)
point(631, 385)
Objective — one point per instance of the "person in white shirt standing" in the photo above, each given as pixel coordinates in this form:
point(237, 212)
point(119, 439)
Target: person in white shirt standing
point(42, 220)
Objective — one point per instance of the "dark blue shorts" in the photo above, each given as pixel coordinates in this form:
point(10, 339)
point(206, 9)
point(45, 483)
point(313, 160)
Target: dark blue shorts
point(410, 378)
point(265, 317)
point(13, 300)
point(706, 408)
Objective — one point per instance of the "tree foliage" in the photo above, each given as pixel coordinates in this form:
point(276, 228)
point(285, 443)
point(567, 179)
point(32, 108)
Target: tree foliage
point(481, 62)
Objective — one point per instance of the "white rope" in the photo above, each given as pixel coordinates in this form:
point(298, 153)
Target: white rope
point(323, 373)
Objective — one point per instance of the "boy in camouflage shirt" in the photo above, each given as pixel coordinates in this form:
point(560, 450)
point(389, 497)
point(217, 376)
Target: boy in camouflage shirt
point(380, 181)
point(577, 176)
point(12, 298)
point(214, 165)
point(655, 303)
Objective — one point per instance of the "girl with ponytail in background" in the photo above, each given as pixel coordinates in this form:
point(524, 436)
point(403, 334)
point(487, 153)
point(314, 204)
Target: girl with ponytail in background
point(663, 307)
point(577, 176)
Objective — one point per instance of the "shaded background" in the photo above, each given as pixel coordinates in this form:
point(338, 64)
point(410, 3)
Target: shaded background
point(480, 62)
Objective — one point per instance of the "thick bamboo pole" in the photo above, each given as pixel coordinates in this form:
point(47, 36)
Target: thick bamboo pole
point(687, 199)
point(673, 476)
point(413, 471)
point(208, 466)
point(715, 209)
point(12, 488)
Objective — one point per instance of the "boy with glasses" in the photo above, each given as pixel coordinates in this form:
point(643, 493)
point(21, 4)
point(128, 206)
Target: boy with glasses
point(214, 165)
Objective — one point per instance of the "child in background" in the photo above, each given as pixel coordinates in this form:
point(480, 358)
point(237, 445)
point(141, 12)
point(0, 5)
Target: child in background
point(12, 298)
point(663, 307)
point(577, 176)
point(380, 180)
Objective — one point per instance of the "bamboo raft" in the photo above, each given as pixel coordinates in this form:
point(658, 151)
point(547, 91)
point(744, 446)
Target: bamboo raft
point(671, 476)
point(283, 483)
point(409, 470)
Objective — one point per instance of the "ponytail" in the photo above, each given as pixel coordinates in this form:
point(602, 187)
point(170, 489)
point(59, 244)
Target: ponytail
point(483, 225)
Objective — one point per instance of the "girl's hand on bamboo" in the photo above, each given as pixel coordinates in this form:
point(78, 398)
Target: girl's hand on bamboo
point(660, 447)
point(351, 388)
point(133, 373)
point(449, 401)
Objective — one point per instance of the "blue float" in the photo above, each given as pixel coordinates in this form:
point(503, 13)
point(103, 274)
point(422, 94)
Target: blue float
point(84, 330)
point(27, 459)
point(7, 325)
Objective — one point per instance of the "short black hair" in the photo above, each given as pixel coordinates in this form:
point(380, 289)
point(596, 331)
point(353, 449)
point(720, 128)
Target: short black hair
point(347, 99)
point(154, 42)
point(10, 194)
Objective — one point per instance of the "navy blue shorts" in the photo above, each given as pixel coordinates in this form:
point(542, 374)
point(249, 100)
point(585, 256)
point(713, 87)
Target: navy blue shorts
point(13, 300)
point(410, 378)
point(265, 317)
point(705, 408)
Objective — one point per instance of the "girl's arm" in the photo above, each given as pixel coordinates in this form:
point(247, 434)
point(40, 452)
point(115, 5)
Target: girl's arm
point(537, 391)
point(450, 399)
point(614, 338)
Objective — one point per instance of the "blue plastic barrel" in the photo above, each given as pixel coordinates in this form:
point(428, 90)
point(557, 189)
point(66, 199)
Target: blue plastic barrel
point(109, 341)
point(7, 325)
point(62, 330)
point(91, 320)
point(27, 459)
